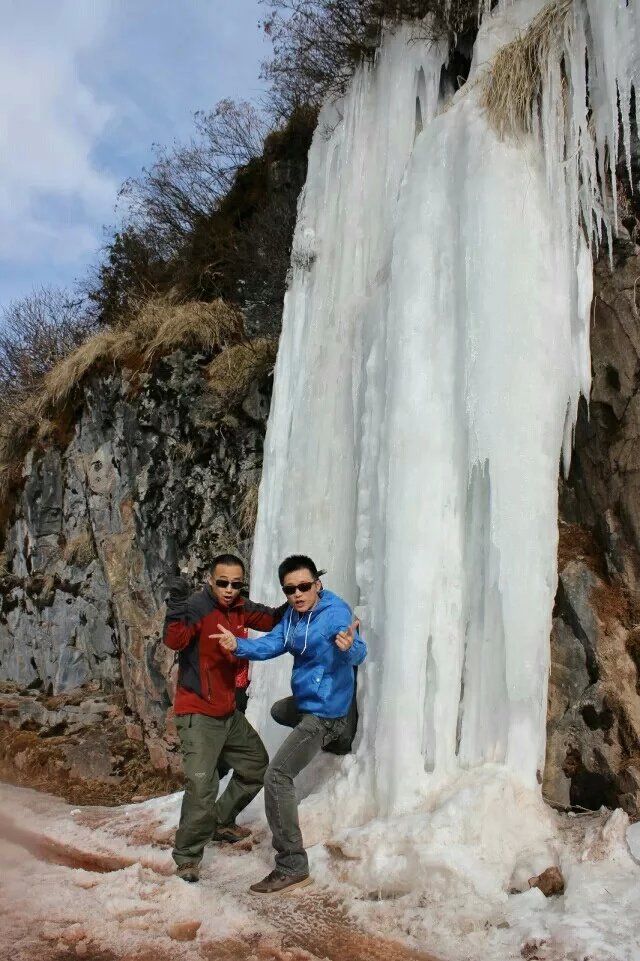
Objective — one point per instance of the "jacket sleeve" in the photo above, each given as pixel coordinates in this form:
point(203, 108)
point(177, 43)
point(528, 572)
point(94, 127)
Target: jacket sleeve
point(357, 652)
point(262, 648)
point(181, 624)
point(259, 617)
point(178, 635)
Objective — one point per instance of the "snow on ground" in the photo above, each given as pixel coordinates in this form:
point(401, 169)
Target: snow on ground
point(98, 883)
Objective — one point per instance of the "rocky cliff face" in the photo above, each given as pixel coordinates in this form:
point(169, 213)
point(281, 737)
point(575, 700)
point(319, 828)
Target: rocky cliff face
point(593, 749)
point(150, 480)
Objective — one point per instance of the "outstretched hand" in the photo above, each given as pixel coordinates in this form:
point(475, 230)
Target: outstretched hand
point(344, 639)
point(225, 639)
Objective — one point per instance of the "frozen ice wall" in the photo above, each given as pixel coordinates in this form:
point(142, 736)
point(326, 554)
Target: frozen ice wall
point(434, 346)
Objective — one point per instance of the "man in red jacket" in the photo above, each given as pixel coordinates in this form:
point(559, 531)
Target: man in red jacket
point(210, 727)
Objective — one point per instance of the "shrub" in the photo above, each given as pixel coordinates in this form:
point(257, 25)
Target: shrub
point(187, 181)
point(36, 332)
point(318, 43)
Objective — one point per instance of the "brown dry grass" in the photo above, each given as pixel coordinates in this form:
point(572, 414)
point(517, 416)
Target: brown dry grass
point(232, 372)
point(578, 543)
point(102, 349)
point(205, 326)
point(512, 83)
point(159, 326)
point(248, 513)
point(80, 550)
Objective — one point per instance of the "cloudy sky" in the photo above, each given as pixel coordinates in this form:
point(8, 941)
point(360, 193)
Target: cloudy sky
point(87, 87)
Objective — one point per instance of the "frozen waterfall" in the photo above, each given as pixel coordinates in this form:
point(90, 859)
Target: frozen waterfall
point(433, 350)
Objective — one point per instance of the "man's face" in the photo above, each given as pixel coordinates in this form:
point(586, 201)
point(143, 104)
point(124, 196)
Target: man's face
point(222, 582)
point(301, 600)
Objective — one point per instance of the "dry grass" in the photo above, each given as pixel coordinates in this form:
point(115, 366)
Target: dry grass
point(165, 326)
point(513, 82)
point(233, 371)
point(578, 543)
point(79, 551)
point(248, 513)
point(100, 350)
point(159, 327)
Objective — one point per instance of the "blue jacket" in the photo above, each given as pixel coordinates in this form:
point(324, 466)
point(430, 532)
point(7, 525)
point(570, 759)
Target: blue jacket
point(322, 679)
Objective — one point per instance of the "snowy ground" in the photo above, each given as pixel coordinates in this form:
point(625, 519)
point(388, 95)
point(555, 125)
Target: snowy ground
point(97, 883)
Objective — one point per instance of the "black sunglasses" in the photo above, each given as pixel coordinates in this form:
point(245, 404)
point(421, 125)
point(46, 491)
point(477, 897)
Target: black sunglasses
point(303, 588)
point(223, 582)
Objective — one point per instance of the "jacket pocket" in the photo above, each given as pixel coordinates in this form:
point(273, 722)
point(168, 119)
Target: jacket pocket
point(306, 680)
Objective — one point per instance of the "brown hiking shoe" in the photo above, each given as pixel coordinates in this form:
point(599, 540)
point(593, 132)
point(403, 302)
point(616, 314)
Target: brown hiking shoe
point(231, 833)
point(276, 882)
point(189, 872)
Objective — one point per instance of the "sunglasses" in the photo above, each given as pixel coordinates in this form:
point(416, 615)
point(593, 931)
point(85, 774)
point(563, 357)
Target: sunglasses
point(290, 589)
point(223, 582)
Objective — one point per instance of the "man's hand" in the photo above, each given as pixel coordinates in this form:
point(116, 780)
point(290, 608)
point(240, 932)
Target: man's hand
point(178, 589)
point(344, 639)
point(225, 639)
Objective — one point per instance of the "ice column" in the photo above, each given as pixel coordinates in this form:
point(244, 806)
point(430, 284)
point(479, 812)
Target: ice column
point(434, 345)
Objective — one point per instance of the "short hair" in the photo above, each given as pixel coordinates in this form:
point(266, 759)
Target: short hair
point(298, 562)
point(227, 559)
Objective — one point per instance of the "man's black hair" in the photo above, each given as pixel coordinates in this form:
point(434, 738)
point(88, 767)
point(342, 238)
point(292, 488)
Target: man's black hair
point(298, 562)
point(227, 559)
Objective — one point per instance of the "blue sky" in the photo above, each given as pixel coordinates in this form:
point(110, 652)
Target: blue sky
point(87, 87)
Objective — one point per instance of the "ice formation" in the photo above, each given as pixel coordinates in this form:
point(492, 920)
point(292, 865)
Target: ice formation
point(433, 351)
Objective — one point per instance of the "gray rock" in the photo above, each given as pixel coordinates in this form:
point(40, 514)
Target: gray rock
point(91, 759)
point(148, 482)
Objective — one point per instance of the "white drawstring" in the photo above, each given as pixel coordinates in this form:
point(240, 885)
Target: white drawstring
point(288, 629)
point(306, 633)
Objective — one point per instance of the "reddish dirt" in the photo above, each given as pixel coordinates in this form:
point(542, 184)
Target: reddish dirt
point(306, 925)
point(45, 849)
point(317, 926)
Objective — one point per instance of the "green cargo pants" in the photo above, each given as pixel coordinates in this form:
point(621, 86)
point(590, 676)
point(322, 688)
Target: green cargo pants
point(205, 740)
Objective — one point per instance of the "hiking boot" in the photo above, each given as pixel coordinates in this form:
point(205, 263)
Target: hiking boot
point(189, 872)
point(231, 833)
point(276, 882)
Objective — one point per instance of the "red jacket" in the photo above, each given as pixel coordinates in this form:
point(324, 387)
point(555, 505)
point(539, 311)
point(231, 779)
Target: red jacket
point(207, 674)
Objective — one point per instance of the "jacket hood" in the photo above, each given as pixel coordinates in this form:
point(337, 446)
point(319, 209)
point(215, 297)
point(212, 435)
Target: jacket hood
point(326, 599)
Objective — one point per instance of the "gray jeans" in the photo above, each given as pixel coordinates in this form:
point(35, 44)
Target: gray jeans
point(310, 733)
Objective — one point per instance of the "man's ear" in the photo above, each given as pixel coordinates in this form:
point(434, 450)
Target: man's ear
point(321, 588)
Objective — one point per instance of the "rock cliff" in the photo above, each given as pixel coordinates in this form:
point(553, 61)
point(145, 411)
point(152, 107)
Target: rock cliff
point(150, 480)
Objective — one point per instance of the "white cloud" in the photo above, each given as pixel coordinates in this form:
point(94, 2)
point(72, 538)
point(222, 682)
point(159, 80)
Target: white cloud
point(86, 87)
point(52, 194)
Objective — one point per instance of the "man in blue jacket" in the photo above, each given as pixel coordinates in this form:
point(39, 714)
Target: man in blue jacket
point(319, 632)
